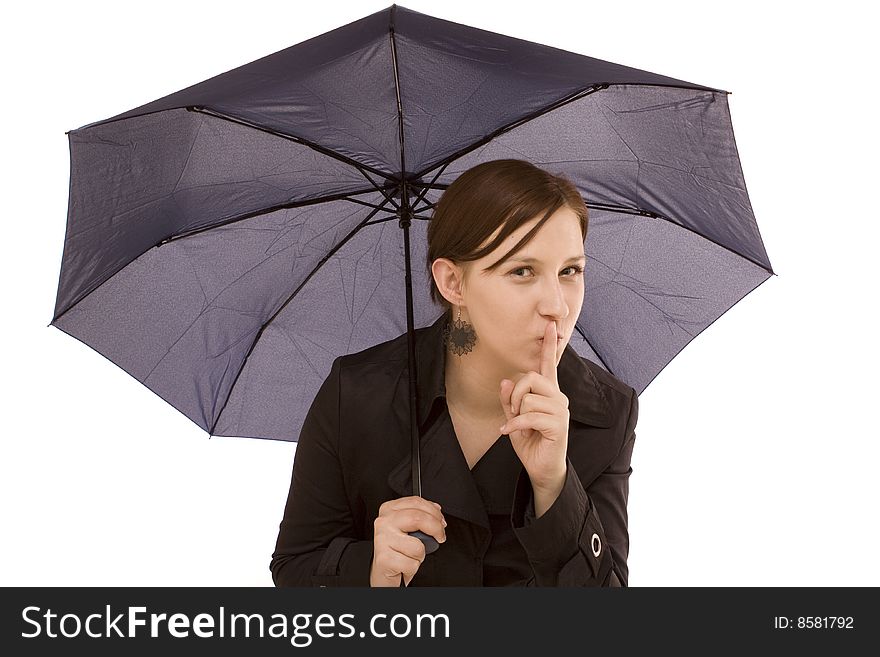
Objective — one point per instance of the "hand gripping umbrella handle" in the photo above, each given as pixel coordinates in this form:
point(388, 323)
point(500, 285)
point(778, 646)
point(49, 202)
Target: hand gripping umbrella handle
point(430, 542)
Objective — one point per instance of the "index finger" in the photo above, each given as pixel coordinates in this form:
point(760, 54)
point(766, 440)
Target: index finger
point(548, 353)
point(411, 502)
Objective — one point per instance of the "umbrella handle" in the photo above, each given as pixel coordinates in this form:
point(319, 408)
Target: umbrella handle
point(430, 542)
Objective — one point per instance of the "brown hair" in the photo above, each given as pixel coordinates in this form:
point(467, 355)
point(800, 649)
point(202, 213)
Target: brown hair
point(499, 192)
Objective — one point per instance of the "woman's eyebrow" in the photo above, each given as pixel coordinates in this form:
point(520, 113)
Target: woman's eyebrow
point(582, 256)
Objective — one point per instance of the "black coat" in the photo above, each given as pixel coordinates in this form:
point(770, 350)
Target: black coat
point(354, 454)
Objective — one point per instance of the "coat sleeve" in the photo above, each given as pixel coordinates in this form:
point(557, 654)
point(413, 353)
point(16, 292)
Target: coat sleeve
point(317, 542)
point(582, 539)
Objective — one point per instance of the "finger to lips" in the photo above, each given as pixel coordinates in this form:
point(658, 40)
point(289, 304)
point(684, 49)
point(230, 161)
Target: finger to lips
point(544, 383)
point(512, 401)
point(548, 354)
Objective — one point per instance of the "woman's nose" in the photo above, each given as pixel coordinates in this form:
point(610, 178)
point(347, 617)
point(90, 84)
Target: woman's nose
point(554, 304)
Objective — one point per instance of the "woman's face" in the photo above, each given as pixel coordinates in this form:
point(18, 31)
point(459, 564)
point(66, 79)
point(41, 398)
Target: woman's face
point(543, 282)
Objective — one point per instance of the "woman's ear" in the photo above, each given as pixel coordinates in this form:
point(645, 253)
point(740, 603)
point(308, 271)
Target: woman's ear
point(449, 279)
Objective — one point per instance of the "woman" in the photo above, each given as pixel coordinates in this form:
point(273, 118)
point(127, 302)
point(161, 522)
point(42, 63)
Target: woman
point(541, 504)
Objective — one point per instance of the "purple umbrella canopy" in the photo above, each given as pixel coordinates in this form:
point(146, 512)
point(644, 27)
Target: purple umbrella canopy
point(226, 243)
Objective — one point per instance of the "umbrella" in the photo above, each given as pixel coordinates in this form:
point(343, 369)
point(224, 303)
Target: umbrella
point(225, 243)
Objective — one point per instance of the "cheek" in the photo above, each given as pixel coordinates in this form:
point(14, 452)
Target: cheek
point(503, 295)
point(576, 291)
point(575, 304)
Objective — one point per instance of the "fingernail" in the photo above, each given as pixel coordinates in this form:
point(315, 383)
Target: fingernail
point(437, 505)
point(444, 523)
point(503, 429)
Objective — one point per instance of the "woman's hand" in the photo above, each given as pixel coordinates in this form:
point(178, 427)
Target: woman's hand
point(395, 553)
point(537, 419)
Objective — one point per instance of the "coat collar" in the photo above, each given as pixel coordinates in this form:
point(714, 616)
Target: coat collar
point(445, 476)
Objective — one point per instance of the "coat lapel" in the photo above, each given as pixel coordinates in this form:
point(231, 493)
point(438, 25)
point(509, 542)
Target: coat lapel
point(445, 475)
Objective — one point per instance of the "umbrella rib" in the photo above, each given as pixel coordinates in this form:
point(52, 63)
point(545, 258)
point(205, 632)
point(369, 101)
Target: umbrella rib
point(577, 95)
point(642, 213)
point(599, 206)
point(371, 205)
point(381, 221)
point(655, 215)
point(189, 233)
point(256, 339)
point(380, 190)
point(394, 66)
point(425, 187)
point(299, 140)
point(343, 196)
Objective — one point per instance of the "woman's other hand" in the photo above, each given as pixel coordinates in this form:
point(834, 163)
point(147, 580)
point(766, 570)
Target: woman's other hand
point(395, 552)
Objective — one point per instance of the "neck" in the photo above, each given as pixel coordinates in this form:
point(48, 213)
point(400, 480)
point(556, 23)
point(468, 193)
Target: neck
point(473, 385)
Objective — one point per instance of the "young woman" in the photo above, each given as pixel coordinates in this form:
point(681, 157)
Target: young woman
point(525, 445)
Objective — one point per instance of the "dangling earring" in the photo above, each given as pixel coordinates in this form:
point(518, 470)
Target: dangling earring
point(459, 336)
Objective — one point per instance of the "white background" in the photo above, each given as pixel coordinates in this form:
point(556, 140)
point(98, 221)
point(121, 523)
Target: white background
point(757, 451)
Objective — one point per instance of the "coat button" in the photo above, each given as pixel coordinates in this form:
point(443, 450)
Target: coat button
point(596, 544)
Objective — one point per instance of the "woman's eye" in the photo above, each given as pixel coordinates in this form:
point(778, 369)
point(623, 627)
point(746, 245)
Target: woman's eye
point(577, 270)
